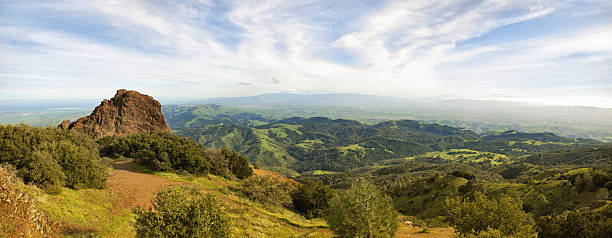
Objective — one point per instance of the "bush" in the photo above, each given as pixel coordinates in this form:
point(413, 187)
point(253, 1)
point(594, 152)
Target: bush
point(579, 223)
point(183, 212)
point(237, 164)
point(271, 191)
point(489, 233)
point(43, 169)
point(50, 157)
point(162, 151)
point(311, 199)
point(463, 174)
point(362, 211)
point(481, 214)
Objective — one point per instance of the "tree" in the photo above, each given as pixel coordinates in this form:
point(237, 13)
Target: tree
point(237, 164)
point(271, 191)
point(183, 212)
point(311, 199)
point(50, 157)
point(483, 214)
point(362, 211)
point(579, 223)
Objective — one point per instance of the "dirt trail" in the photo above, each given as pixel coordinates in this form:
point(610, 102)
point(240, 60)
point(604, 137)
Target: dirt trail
point(134, 188)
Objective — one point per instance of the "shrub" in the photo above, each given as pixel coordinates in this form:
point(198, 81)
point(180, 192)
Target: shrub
point(579, 223)
point(362, 211)
point(183, 212)
point(162, 151)
point(44, 170)
point(311, 199)
point(271, 191)
point(50, 157)
point(474, 215)
point(463, 174)
point(237, 164)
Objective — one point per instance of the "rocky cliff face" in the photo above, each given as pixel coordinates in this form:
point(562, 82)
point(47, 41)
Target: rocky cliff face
point(126, 113)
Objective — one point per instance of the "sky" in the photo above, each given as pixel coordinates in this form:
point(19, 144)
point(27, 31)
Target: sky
point(543, 51)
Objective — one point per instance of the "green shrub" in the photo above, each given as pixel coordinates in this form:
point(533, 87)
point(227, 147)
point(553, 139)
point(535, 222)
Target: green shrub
point(474, 215)
point(311, 199)
point(271, 191)
point(489, 233)
point(183, 212)
point(237, 164)
point(50, 157)
point(43, 169)
point(579, 223)
point(463, 174)
point(162, 151)
point(362, 211)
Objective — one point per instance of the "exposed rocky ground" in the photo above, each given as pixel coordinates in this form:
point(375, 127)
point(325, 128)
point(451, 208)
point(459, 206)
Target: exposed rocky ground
point(126, 113)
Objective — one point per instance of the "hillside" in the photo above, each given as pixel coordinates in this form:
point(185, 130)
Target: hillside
point(107, 212)
point(477, 115)
point(308, 144)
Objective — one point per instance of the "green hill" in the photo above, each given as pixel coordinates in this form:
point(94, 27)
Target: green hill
point(308, 144)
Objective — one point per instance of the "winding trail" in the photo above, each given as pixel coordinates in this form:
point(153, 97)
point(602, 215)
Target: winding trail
point(135, 189)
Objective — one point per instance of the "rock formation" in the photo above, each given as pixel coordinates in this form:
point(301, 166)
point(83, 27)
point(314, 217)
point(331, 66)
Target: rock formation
point(126, 113)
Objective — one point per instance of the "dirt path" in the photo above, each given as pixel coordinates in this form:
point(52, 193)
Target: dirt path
point(134, 188)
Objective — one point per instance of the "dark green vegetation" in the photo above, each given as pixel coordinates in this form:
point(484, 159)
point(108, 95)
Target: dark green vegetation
point(268, 190)
point(421, 166)
point(300, 145)
point(161, 151)
point(482, 214)
point(362, 211)
point(311, 199)
point(52, 158)
point(579, 223)
point(183, 212)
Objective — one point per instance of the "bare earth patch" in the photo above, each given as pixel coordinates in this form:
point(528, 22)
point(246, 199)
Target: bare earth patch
point(134, 188)
point(407, 231)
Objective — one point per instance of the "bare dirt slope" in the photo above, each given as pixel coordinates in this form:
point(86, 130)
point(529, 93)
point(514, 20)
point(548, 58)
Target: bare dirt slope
point(135, 188)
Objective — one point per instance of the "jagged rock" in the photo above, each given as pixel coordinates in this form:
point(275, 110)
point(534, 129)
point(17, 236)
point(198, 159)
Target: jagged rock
point(126, 113)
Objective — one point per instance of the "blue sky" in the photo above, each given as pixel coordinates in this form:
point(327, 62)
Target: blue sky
point(542, 51)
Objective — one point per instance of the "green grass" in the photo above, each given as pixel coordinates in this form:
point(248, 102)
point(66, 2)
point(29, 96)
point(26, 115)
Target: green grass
point(309, 143)
point(466, 156)
point(322, 172)
point(87, 211)
point(90, 212)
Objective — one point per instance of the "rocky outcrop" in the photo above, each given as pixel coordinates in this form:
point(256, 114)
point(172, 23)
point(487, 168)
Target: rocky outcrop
point(126, 113)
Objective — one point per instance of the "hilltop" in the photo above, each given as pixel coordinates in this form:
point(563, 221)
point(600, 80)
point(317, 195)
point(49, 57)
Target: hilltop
point(126, 113)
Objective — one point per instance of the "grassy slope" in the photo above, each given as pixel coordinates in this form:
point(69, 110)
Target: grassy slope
point(90, 211)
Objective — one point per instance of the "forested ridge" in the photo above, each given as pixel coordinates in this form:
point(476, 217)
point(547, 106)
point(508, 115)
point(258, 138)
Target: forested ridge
point(309, 144)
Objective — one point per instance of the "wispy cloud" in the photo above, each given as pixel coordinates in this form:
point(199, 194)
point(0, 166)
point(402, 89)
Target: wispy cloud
point(190, 48)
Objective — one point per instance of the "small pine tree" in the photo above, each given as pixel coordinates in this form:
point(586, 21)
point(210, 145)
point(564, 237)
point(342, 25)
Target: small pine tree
point(362, 211)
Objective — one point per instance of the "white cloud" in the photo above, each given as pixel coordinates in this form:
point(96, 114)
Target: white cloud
point(401, 48)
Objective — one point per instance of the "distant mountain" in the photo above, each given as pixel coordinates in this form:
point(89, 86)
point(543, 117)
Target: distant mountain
point(477, 115)
point(588, 156)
